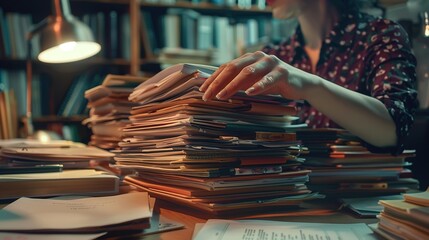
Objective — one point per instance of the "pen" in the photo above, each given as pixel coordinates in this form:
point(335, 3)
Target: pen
point(31, 169)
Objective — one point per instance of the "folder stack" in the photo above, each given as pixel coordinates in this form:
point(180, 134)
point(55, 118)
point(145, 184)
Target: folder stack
point(109, 109)
point(342, 166)
point(221, 157)
point(31, 168)
point(405, 219)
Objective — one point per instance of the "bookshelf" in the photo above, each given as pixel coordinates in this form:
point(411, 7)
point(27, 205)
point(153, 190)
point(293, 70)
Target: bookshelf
point(54, 83)
point(130, 45)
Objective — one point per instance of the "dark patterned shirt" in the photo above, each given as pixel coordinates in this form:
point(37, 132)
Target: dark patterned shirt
point(365, 54)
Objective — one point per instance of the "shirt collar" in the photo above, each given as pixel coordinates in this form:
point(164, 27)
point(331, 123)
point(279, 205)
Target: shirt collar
point(341, 35)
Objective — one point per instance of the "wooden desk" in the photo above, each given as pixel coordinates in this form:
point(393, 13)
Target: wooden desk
point(318, 211)
point(322, 211)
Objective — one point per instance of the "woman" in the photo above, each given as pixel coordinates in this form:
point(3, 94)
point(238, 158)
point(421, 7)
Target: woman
point(353, 70)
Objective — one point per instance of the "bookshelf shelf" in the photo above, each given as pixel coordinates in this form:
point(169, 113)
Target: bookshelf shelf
point(119, 26)
point(209, 8)
point(55, 119)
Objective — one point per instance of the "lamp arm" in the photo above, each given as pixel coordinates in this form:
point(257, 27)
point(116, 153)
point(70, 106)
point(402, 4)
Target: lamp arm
point(28, 123)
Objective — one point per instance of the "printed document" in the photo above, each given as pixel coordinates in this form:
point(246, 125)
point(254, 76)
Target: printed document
point(216, 229)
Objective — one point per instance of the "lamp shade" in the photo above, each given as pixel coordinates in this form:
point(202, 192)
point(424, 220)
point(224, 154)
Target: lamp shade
point(66, 40)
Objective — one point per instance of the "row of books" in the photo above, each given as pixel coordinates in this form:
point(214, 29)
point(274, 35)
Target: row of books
point(106, 25)
point(244, 4)
point(218, 38)
point(73, 103)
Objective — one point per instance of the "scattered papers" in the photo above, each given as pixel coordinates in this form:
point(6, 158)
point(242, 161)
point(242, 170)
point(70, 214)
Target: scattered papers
point(216, 229)
point(93, 214)
point(367, 206)
point(421, 198)
point(404, 219)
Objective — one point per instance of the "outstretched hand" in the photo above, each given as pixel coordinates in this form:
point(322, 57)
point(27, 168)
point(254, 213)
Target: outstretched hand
point(256, 73)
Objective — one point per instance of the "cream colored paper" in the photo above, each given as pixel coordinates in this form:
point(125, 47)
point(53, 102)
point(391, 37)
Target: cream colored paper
point(34, 214)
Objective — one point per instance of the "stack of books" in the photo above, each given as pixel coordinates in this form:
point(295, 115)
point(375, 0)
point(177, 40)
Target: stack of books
point(221, 157)
point(29, 168)
point(341, 166)
point(405, 219)
point(109, 109)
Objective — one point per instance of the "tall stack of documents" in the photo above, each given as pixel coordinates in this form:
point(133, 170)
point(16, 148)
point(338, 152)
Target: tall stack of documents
point(109, 109)
point(216, 156)
point(405, 219)
point(342, 166)
point(30, 168)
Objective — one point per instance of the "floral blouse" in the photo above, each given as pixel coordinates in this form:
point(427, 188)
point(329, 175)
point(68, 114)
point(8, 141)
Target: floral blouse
point(366, 54)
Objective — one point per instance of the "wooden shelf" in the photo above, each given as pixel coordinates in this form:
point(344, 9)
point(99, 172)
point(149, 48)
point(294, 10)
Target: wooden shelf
point(211, 9)
point(61, 119)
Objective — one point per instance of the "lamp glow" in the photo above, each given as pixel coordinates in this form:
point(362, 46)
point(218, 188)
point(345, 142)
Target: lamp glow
point(69, 52)
point(62, 38)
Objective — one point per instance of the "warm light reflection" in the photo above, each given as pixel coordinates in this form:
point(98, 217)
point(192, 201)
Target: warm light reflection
point(43, 137)
point(69, 52)
point(68, 46)
point(426, 19)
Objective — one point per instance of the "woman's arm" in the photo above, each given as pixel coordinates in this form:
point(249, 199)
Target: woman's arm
point(259, 73)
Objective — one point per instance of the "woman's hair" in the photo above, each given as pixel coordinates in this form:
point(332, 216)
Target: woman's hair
point(346, 6)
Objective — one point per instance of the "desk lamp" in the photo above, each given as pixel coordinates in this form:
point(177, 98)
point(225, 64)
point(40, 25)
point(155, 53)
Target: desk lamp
point(63, 38)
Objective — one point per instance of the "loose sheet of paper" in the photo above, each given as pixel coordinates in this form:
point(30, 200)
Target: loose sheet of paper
point(22, 236)
point(33, 214)
point(275, 230)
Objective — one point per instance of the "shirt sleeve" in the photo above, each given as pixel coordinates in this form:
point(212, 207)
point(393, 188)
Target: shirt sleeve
point(392, 77)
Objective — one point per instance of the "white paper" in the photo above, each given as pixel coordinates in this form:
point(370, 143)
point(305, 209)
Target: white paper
point(33, 214)
point(216, 229)
point(22, 236)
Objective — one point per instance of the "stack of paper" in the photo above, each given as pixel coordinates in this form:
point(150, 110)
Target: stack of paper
point(30, 168)
point(405, 219)
point(343, 167)
point(217, 156)
point(109, 109)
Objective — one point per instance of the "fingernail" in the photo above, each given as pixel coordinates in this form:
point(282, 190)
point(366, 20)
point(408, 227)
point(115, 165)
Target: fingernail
point(250, 90)
point(221, 95)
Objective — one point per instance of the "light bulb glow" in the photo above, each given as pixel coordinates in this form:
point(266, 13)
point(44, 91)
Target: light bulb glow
point(68, 46)
point(69, 52)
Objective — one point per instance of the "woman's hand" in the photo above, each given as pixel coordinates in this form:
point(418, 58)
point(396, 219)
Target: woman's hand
point(257, 73)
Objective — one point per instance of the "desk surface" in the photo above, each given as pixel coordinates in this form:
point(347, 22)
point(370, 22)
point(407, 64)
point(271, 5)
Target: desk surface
point(323, 211)
point(317, 211)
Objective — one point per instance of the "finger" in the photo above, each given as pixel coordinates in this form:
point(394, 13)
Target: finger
point(246, 78)
point(229, 72)
point(267, 83)
point(210, 79)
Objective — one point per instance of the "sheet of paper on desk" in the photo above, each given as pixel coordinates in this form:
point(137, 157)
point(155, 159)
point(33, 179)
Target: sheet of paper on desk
point(271, 230)
point(368, 207)
point(82, 213)
point(22, 236)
